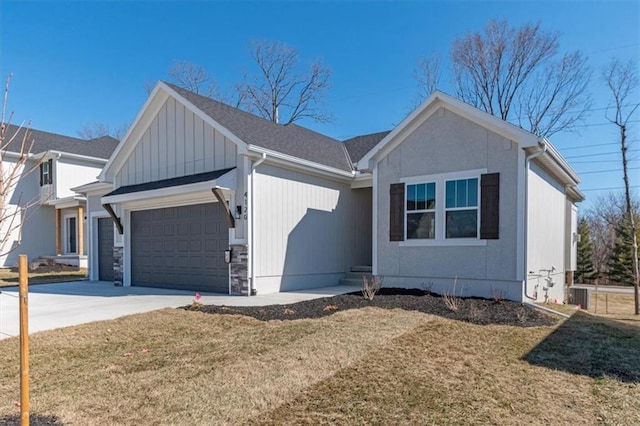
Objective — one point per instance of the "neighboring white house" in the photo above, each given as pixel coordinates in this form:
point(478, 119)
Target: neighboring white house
point(53, 225)
point(450, 192)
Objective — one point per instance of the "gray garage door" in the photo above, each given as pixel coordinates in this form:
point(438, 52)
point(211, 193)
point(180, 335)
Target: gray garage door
point(180, 247)
point(105, 249)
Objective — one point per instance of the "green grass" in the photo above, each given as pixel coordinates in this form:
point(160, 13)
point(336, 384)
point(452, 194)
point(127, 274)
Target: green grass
point(362, 366)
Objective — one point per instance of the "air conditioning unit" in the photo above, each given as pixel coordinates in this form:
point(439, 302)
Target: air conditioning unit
point(579, 296)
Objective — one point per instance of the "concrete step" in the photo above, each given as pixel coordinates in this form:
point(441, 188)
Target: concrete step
point(351, 281)
point(357, 275)
point(361, 268)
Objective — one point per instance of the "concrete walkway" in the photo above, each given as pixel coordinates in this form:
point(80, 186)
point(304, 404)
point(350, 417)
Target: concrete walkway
point(65, 304)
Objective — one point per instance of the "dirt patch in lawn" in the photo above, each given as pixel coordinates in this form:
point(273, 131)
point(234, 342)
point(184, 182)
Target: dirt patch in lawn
point(473, 310)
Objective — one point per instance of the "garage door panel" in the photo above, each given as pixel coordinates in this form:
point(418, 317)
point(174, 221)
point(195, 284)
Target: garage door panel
point(105, 249)
point(180, 247)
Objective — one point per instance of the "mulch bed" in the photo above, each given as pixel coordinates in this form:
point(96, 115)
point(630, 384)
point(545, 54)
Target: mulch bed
point(473, 310)
point(34, 420)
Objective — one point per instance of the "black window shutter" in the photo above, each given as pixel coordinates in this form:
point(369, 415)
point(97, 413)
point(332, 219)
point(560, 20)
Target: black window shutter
point(489, 206)
point(41, 174)
point(396, 212)
point(50, 171)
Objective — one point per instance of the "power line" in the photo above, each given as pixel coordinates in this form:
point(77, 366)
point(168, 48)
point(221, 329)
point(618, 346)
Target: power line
point(598, 124)
point(596, 144)
point(607, 171)
point(601, 161)
point(607, 189)
point(608, 49)
point(600, 153)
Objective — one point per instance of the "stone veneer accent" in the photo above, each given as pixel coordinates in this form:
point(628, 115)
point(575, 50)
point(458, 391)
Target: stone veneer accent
point(238, 269)
point(118, 253)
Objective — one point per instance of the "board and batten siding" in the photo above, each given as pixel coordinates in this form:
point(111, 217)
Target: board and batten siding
point(176, 143)
point(448, 143)
point(546, 233)
point(308, 231)
point(70, 173)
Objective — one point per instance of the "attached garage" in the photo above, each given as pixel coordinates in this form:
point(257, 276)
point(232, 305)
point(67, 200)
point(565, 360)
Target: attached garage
point(181, 248)
point(105, 249)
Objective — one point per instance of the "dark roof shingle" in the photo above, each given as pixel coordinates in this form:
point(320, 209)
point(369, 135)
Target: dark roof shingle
point(359, 146)
point(171, 182)
point(291, 139)
point(101, 147)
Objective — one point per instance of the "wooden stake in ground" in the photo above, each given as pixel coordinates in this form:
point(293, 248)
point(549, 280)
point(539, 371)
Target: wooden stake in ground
point(24, 341)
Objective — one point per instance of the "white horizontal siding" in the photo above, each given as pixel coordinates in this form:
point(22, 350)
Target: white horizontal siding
point(176, 143)
point(308, 231)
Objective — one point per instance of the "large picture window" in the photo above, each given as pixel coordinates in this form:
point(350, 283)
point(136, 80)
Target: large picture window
point(421, 211)
point(461, 208)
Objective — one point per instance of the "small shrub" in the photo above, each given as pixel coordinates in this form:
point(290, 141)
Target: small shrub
point(498, 295)
point(521, 314)
point(427, 287)
point(370, 286)
point(330, 308)
point(451, 300)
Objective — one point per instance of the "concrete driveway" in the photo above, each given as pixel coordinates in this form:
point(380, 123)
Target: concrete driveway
point(65, 304)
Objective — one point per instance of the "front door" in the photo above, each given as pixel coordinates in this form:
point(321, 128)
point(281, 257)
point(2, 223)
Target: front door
point(71, 232)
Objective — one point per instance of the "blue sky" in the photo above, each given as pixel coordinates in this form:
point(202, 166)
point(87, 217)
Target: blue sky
point(76, 63)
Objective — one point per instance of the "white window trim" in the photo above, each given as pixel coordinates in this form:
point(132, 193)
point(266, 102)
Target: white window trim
point(46, 173)
point(453, 209)
point(440, 181)
point(407, 212)
point(65, 232)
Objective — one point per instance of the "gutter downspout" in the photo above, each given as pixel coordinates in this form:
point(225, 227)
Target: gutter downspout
point(251, 272)
point(527, 164)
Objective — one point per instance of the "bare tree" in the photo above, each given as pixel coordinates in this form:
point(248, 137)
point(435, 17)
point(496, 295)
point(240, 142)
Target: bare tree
point(604, 217)
point(194, 78)
point(96, 130)
point(16, 143)
point(622, 80)
point(427, 75)
point(278, 92)
point(508, 71)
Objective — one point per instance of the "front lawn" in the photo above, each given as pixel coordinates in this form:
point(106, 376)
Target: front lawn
point(368, 365)
point(43, 275)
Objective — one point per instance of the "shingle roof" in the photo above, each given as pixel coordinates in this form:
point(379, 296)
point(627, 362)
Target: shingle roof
point(360, 145)
point(168, 183)
point(291, 139)
point(101, 147)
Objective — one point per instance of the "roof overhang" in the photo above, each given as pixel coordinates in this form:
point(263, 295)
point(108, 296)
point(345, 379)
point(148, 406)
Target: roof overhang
point(362, 180)
point(85, 158)
point(173, 191)
point(67, 202)
point(299, 163)
point(93, 187)
point(552, 161)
